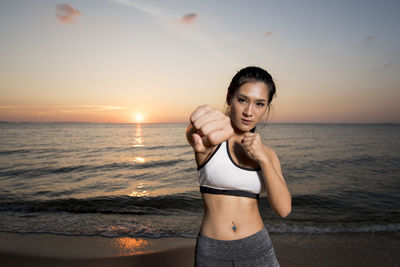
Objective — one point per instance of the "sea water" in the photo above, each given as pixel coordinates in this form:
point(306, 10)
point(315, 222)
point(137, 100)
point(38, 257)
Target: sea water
point(140, 180)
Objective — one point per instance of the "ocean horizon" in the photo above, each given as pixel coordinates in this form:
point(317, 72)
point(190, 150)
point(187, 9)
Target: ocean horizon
point(142, 123)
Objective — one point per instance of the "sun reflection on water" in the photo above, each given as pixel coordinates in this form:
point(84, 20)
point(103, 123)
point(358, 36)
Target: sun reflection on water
point(139, 193)
point(138, 160)
point(137, 139)
point(130, 246)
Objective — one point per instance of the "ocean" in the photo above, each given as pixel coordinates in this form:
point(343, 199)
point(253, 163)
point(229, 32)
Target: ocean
point(140, 180)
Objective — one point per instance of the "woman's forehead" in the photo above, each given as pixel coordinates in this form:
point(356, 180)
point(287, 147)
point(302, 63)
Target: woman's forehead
point(257, 90)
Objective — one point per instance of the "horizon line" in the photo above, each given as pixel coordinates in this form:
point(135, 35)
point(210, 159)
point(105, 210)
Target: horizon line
point(50, 122)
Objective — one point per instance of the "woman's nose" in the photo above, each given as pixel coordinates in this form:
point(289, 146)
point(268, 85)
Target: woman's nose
point(247, 110)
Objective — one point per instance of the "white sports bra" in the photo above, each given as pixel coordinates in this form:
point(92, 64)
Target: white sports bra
point(221, 175)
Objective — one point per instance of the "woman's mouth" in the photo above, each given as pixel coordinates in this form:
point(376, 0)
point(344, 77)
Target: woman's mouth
point(247, 122)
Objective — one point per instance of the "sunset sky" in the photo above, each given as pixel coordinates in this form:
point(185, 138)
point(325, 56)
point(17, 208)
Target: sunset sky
point(156, 61)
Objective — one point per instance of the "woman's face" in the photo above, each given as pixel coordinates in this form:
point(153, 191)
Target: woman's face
point(248, 105)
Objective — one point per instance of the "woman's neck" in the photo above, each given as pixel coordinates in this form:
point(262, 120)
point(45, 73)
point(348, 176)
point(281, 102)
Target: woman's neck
point(238, 135)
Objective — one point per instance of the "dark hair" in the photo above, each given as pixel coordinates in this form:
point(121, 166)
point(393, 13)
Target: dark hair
point(251, 74)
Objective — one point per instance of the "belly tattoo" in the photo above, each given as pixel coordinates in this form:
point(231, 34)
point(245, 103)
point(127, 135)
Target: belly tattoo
point(234, 226)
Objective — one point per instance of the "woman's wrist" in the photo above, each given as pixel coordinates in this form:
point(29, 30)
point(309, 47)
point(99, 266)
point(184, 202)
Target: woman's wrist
point(265, 159)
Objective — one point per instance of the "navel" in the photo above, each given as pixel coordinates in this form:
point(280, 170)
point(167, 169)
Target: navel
point(234, 226)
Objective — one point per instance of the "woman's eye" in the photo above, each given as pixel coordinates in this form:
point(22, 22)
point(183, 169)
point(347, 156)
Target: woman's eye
point(241, 100)
point(260, 104)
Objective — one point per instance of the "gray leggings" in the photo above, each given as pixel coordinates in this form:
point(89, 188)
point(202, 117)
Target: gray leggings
point(255, 250)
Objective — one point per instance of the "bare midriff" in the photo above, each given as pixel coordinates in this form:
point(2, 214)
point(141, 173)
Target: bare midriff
point(222, 212)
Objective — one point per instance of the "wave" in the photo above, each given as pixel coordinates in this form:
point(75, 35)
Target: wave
point(62, 151)
point(136, 230)
point(373, 163)
point(334, 228)
point(35, 172)
point(144, 205)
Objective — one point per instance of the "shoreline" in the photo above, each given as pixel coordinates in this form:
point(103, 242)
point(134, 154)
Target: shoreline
point(343, 249)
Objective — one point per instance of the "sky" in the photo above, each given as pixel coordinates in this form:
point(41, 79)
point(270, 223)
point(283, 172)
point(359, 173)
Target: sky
point(125, 61)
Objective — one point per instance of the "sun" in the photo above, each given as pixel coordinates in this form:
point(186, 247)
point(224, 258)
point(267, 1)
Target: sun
point(138, 117)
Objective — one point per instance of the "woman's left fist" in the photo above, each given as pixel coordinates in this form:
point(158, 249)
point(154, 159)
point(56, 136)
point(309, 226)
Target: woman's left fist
point(253, 146)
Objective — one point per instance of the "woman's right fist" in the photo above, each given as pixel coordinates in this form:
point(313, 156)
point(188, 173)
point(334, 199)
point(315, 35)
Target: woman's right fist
point(209, 127)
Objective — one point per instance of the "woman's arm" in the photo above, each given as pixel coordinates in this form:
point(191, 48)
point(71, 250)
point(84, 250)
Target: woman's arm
point(208, 127)
point(190, 130)
point(278, 193)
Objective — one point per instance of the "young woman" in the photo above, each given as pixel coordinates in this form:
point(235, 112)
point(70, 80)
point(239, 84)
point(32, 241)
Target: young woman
point(234, 167)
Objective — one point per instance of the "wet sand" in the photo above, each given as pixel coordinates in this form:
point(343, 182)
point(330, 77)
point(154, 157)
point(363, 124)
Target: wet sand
point(291, 249)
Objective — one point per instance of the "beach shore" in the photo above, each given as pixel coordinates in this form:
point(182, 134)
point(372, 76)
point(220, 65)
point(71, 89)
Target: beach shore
point(379, 249)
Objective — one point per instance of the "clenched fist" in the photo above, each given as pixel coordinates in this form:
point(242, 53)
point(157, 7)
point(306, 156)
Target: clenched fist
point(208, 127)
point(253, 146)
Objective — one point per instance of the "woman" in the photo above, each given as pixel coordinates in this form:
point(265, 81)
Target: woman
point(234, 167)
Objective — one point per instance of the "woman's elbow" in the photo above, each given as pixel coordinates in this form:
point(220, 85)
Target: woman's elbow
point(286, 209)
point(285, 212)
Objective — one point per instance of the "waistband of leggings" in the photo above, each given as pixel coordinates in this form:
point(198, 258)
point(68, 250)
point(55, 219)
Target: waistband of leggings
point(250, 238)
point(251, 246)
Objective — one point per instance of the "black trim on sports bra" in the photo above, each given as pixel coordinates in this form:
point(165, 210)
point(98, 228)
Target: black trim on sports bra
point(241, 193)
point(212, 154)
point(244, 168)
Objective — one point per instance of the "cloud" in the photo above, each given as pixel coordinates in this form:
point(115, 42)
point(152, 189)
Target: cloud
point(66, 108)
point(188, 18)
point(66, 13)
point(370, 38)
point(382, 67)
point(95, 107)
point(9, 107)
point(267, 34)
point(387, 65)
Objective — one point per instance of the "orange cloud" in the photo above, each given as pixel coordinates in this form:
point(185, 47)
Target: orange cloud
point(188, 18)
point(66, 13)
point(267, 34)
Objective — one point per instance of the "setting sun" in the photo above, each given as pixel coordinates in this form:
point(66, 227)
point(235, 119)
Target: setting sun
point(138, 117)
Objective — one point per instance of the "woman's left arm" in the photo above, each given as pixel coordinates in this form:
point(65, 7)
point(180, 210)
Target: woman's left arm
point(278, 193)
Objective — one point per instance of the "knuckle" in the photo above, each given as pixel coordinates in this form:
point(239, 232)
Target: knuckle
point(191, 118)
point(196, 125)
point(215, 113)
point(212, 138)
point(208, 107)
point(204, 130)
point(202, 107)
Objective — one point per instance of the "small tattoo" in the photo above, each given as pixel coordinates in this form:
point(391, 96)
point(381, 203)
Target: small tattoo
point(234, 226)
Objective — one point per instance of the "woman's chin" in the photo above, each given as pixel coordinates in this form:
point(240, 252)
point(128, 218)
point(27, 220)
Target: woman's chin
point(243, 127)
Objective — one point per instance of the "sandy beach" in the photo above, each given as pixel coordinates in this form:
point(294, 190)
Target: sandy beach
point(291, 249)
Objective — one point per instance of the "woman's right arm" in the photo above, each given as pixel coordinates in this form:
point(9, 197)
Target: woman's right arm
point(202, 156)
point(189, 131)
point(208, 128)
